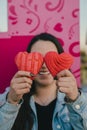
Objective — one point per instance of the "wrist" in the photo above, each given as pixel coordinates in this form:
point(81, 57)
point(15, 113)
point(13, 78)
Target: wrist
point(68, 100)
point(11, 101)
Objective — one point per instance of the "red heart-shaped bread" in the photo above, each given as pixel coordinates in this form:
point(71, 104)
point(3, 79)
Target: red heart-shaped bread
point(58, 62)
point(31, 62)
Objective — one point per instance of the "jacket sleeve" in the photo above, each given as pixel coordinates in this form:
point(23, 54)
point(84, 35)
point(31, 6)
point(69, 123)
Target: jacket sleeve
point(8, 112)
point(78, 112)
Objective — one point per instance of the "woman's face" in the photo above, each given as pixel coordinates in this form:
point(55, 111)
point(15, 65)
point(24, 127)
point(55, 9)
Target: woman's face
point(44, 78)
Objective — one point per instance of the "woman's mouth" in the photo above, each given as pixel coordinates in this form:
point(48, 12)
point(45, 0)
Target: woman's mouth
point(44, 73)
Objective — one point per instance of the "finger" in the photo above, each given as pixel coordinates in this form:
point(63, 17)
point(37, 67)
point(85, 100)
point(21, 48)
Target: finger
point(22, 74)
point(64, 84)
point(64, 90)
point(65, 79)
point(22, 91)
point(21, 86)
point(22, 80)
point(64, 73)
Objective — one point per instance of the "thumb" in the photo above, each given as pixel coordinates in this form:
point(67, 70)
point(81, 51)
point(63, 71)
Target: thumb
point(64, 73)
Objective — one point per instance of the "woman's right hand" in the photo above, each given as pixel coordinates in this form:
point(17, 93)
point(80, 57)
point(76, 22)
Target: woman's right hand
point(19, 85)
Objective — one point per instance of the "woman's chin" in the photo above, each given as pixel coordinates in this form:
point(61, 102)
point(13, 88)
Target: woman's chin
point(44, 80)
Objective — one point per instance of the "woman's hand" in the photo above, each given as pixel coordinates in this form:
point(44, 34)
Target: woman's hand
point(67, 84)
point(19, 85)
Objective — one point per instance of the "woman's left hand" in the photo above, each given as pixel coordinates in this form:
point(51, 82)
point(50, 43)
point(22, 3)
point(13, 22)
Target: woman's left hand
point(67, 84)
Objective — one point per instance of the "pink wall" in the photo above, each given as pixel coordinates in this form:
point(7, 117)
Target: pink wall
point(29, 17)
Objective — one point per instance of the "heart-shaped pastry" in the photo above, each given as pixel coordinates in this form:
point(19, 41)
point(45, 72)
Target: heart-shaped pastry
point(31, 62)
point(58, 62)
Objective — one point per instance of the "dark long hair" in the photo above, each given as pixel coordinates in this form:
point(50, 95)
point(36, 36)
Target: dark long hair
point(24, 114)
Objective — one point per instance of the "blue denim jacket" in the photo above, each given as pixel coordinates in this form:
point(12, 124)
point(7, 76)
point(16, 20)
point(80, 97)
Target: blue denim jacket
point(67, 116)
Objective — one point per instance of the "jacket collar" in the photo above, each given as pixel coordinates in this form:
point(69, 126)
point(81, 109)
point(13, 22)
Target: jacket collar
point(60, 103)
point(60, 97)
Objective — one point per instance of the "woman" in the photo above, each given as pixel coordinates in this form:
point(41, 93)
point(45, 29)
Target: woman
point(42, 104)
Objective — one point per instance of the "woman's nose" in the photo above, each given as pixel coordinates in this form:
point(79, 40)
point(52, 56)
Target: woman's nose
point(44, 65)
